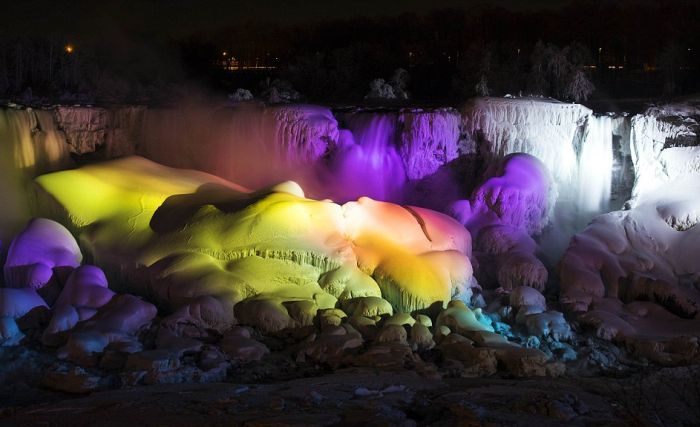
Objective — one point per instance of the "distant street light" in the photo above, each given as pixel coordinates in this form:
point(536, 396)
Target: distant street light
point(69, 49)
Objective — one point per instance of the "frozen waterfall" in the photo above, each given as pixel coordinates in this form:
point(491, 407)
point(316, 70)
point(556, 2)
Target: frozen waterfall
point(368, 163)
point(595, 166)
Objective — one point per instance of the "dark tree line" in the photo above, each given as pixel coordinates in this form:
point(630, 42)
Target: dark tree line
point(623, 48)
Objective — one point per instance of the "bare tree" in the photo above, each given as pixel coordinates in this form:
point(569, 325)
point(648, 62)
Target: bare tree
point(399, 82)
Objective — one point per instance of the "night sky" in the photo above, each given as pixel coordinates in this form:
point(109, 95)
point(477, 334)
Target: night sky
point(178, 18)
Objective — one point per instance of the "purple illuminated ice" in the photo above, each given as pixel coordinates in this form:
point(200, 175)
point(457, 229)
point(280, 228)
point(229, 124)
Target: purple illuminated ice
point(42, 249)
point(367, 163)
point(517, 194)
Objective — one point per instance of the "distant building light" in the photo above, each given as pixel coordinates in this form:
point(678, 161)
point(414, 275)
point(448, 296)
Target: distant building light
point(224, 53)
point(69, 48)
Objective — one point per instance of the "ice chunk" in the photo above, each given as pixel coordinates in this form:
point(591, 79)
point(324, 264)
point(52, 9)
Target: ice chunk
point(41, 249)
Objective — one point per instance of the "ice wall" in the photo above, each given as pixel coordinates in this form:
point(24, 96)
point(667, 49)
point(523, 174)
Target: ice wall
point(664, 146)
point(113, 132)
point(574, 145)
point(30, 144)
point(634, 272)
point(542, 128)
point(249, 144)
point(429, 140)
point(412, 152)
point(386, 155)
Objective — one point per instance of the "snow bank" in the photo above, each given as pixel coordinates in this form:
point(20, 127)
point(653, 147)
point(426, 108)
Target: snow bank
point(643, 254)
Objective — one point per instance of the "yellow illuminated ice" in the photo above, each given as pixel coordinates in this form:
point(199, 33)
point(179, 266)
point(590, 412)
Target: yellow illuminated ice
point(196, 235)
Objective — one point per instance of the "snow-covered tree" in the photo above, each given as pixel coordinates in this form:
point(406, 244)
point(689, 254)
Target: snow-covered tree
point(559, 72)
point(537, 80)
point(379, 89)
point(399, 82)
point(241, 94)
point(669, 62)
point(278, 91)
point(482, 86)
point(579, 87)
point(395, 88)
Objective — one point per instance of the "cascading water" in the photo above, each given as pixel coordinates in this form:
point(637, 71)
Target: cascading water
point(30, 144)
point(595, 169)
point(368, 163)
point(588, 191)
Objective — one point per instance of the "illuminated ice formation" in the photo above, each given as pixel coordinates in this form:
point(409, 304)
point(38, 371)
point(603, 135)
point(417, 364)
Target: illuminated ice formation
point(545, 129)
point(575, 146)
point(250, 144)
point(643, 254)
point(41, 251)
point(190, 235)
point(112, 131)
point(595, 168)
point(503, 212)
point(367, 163)
point(30, 144)
point(84, 313)
point(429, 140)
point(663, 146)
point(517, 193)
point(383, 151)
point(15, 303)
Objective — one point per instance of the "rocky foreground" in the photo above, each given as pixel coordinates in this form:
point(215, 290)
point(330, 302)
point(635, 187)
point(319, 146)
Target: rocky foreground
point(370, 397)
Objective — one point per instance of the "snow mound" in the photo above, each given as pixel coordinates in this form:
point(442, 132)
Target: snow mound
point(643, 254)
point(41, 251)
point(190, 235)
